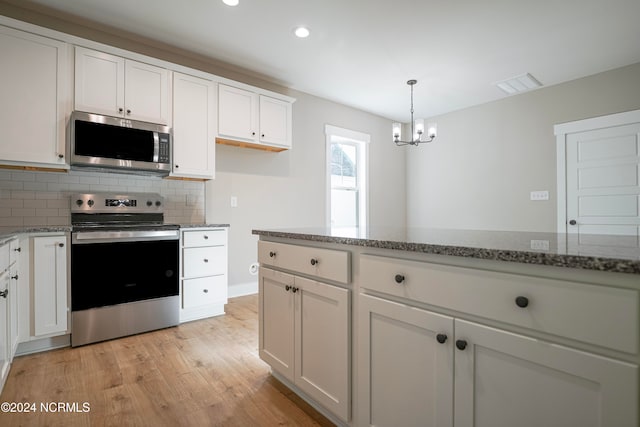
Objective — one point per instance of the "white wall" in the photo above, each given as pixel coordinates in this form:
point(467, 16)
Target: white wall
point(486, 160)
point(287, 189)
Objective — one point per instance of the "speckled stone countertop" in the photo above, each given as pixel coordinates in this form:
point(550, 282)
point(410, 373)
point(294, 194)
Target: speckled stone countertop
point(619, 254)
point(8, 231)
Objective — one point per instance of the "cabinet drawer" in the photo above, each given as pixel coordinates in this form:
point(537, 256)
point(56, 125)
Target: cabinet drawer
point(599, 315)
point(209, 261)
point(204, 291)
point(328, 264)
point(195, 239)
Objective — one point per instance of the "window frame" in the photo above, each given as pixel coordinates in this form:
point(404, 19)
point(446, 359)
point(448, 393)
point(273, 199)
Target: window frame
point(361, 141)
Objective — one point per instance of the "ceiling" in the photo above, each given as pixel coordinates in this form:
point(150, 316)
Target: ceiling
point(362, 52)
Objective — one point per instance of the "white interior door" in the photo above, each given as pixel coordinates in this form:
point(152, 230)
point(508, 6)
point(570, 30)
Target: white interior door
point(602, 181)
point(599, 183)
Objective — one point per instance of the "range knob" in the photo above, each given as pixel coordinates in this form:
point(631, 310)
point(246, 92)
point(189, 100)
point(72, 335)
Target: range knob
point(79, 202)
point(158, 203)
point(149, 203)
point(90, 202)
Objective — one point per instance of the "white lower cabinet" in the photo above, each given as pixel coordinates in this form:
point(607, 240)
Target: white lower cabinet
point(405, 368)
point(421, 367)
point(203, 284)
point(8, 306)
point(50, 298)
point(504, 379)
point(305, 336)
point(413, 370)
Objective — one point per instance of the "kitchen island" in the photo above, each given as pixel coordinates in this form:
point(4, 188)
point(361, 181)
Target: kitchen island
point(393, 326)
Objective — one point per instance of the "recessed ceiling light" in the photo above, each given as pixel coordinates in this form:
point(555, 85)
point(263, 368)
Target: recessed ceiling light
point(301, 32)
point(231, 2)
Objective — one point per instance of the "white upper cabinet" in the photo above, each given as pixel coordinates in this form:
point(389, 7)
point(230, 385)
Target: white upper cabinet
point(275, 121)
point(35, 101)
point(194, 113)
point(115, 86)
point(254, 120)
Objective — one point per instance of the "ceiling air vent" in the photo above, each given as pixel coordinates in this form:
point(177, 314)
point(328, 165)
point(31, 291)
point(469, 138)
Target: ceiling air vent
point(518, 84)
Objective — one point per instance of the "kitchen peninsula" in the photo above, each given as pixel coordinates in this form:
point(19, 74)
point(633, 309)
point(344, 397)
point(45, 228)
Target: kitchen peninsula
point(393, 326)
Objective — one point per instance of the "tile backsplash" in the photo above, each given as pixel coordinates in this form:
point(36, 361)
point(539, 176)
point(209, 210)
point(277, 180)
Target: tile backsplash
point(29, 198)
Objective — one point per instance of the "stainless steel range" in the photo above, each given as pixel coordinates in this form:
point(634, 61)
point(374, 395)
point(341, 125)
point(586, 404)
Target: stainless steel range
point(124, 266)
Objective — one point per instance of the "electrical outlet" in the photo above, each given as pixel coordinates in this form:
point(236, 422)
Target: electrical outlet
point(539, 195)
point(540, 245)
point(234, 201)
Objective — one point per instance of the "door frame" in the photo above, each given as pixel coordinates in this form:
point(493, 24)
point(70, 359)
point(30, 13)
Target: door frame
point(561, 132)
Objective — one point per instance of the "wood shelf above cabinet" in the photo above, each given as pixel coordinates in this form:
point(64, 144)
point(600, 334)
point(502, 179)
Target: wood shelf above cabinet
point(244, 144)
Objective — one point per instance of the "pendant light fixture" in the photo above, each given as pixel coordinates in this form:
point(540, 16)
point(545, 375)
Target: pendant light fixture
point(417, 127)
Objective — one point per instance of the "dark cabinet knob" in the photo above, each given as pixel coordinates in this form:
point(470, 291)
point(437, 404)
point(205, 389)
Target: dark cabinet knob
point(15, 277)
point(573, 222)
point(120, 110)
point(263, 135)
point(461, 344)
point(61, 245)
point(294, 290)
point(61, 156)
point(177, 166)
point(287, 288)
point(206, 291)
point(206, 237)
point(399, 278)
point(272, 254)
point(314, 261)
point(522, 302)
point(442, 338)
point(18, 249)
point(206, 260)
point(253, 134)
point(128, 111)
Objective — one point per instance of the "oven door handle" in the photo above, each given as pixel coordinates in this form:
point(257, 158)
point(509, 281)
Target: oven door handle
point(86, 237)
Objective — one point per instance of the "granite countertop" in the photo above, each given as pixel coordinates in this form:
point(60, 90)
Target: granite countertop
point(7, 232)
point(591, 252)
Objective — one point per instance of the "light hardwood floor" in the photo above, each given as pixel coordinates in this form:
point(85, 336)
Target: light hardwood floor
point(201, 373)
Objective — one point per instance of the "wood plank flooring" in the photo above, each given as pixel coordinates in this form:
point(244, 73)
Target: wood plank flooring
point(201, 373)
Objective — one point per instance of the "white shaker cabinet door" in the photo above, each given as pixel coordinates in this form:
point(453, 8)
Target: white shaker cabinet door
point(50, 285)
point(504, 379)
point(146, 92)
point(35, 99)
point(194, 113)
point(276, 309)
point(99, 82)
point(405, 365)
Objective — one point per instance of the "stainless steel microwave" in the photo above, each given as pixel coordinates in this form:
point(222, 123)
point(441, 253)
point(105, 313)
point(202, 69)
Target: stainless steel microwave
point(100, 142)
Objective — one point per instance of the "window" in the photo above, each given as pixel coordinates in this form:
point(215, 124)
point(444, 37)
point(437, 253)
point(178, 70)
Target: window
point(347, 158)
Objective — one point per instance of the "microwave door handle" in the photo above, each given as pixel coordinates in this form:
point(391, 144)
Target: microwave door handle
point(156, 147)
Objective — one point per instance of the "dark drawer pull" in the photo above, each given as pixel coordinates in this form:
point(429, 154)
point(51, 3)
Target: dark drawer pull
point(399, 278)
point(287, 288)
point(205, 291)
point(522, 302)
point(461, 344)
point(4, 293)
point(314, 261)
point(441, 338)
point(206, 260)
point(294, 290)
point(272, 254)
point(15, 277)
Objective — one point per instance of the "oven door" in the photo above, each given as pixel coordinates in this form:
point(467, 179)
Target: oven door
point(123, 283)
point(110, 268)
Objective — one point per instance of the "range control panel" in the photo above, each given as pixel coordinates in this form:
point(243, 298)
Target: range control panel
point(117, 203)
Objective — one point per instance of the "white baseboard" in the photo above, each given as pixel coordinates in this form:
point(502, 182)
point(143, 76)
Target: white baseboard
point(242, 289)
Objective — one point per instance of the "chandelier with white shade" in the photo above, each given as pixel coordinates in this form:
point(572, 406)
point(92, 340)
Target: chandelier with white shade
point(418, 134)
